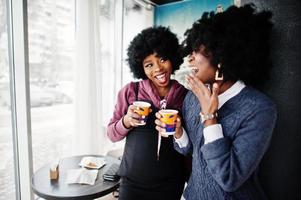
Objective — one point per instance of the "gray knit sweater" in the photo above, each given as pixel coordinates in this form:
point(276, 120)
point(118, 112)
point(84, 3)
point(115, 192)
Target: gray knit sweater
point(226, 169)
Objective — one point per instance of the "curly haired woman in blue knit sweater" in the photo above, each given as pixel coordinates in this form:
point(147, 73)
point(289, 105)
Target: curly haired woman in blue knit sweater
point(228, 122)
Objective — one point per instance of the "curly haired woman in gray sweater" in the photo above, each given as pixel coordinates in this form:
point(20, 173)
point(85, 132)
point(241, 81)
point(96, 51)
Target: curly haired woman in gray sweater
point(227, 123)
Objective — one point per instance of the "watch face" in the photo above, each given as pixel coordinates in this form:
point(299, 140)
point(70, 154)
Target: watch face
point(209, 116)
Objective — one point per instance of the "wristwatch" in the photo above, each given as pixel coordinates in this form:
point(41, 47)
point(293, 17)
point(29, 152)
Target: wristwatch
point(208, 116)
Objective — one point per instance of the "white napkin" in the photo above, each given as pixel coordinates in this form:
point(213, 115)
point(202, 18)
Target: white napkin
point(81, 176)
point(92, 162)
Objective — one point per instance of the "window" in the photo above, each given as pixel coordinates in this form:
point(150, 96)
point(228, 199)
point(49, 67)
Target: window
point(51, 43)
point(132, 26)
point(107, 27)
point(7, 178)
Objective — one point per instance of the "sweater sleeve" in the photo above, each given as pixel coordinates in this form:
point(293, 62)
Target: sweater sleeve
point(231, 162)
point(186, 150)
point(116, 131)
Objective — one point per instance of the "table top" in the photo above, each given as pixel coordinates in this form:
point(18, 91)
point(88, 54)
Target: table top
point(59, 189)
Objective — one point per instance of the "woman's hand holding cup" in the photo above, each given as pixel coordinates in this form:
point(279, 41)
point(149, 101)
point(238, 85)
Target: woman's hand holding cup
point(168, 123)
point(131, 119)
point(137, 114)
point(179, 128)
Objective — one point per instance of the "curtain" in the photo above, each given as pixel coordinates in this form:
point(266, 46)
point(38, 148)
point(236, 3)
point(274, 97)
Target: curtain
point(90, 135)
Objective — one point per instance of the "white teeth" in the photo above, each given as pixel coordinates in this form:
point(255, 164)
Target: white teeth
point(160, 76)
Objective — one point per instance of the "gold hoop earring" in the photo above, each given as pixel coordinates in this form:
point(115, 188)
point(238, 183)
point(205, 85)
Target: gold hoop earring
point(218, 75)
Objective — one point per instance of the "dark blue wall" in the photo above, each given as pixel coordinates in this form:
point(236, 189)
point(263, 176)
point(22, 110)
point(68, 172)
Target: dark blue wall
point(280, 172)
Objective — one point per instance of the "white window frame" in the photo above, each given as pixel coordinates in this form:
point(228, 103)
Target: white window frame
point(19, 89)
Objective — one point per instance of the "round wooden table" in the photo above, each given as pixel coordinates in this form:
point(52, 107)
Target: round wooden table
point(59, 189)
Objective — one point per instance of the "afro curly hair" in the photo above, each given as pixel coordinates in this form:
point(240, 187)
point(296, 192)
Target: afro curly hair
point(238, 38)
point(159, 40)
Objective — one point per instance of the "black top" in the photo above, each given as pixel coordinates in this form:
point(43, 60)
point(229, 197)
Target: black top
point(140, 162)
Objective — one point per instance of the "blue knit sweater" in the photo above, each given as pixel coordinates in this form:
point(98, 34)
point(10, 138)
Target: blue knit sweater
point(226, 169)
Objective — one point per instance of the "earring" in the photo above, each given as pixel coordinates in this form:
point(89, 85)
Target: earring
point(218, 75)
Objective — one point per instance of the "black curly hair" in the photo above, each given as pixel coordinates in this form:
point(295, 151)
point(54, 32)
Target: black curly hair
point(159, 40)
point(238, 38)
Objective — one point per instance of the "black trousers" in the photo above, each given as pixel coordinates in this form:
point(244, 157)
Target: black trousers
point(169, 190)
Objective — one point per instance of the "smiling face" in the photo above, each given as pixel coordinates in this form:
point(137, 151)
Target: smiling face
point(158, 70)
point(202, 67)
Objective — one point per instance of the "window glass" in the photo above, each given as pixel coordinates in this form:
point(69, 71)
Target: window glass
point(107, 51)
point(7, 178)
point(131, 26)
point(51, 41)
